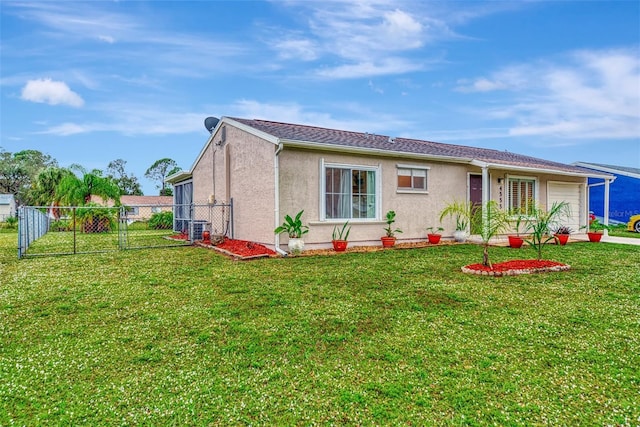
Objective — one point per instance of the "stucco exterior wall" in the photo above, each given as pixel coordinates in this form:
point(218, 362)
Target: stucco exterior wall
point(242, 169)
point(300, 188)
point(300, 174)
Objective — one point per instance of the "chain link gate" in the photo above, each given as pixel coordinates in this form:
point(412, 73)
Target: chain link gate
point(62, 230)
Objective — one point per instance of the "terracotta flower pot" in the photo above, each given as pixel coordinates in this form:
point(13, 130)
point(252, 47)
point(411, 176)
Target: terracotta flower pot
point(594, 236)
point(515, 241)
point(434, 238)
point(562, 239)
point(340, 245)
point(388, 242)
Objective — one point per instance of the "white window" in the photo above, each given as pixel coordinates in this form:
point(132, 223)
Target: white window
point(411, 178)
point(350, 192)
point(522, 195)
point(132, 210)
point(156, 209)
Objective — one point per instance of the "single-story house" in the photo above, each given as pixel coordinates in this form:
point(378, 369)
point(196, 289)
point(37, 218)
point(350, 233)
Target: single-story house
point(624, 191)
point(140, 208)
point(270, 169)
point(7, 206)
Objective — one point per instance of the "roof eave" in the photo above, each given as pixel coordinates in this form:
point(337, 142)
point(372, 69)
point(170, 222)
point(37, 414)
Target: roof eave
point(546, 170)
point(369, 151)
point(178, 177)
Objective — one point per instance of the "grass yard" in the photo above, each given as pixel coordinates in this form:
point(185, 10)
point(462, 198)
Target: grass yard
point(184, 336)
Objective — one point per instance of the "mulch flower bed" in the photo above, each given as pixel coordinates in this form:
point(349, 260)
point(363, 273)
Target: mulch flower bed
point(240, 249)
point(516, 267)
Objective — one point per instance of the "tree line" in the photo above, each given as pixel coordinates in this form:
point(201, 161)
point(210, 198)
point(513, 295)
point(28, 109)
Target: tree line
point(36, 179)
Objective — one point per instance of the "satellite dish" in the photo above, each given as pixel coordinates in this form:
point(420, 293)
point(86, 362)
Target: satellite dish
point(210, 123)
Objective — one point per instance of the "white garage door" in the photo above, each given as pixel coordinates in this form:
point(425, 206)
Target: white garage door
point(570, 193)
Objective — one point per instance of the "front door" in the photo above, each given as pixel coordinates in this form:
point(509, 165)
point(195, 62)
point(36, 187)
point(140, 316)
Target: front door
point(475, 198)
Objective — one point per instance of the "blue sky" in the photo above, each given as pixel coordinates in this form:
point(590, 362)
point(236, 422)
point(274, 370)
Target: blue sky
point(94, 81)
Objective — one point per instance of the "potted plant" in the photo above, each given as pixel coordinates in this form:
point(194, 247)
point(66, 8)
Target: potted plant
point(389, 240)
point(295, 230)
point(561, 234)
point(595, 230)
point(461, 212)
point(433, 234)
point(340, 236)
point(515, 241)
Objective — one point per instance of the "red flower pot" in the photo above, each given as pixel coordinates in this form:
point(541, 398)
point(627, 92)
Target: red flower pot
point(434, 238)
point(561, 239)
point(206, 236)
point(594, 237)
point(340, 245)
point(388, 242)
point(515, 241)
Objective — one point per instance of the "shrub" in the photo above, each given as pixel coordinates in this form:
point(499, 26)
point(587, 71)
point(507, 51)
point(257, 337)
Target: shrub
point(96, 219)
point(60, 225)
point(161, 221)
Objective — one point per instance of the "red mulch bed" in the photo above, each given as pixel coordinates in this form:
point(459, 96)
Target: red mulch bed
point(516, 267)
point(241, 249)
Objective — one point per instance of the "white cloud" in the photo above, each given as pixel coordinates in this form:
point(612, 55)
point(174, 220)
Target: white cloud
point(302, 49)
point(591, 94)
point(370, 69)
point(50, 92)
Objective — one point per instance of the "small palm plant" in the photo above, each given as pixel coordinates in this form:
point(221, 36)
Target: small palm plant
point(540, 223)
point(490, 220)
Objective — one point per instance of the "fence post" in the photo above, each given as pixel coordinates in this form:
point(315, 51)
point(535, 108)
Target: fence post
point(231, 213)
point(73, 215)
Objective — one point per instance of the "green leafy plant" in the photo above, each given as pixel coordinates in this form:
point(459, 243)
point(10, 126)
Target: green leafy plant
point(390, 218)
point(490, 220)
point(341, 233)
point(596, 226)
point(435, 230)
point(95, 218)
point(161, 221)
point(11, 222)
point(60, 225)
point(460, 211)
point(293, 226)
point(541, 222)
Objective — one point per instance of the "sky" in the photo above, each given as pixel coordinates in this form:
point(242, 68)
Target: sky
point(94, 81)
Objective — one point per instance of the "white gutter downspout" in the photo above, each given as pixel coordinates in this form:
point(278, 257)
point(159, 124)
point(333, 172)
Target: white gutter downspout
point(276, 168)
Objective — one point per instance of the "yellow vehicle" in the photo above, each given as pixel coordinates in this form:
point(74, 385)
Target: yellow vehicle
point(634, 223)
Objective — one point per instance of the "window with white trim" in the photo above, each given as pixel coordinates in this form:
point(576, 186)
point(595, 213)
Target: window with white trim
point(412, 178)
point(350, 192)
point(522, 195)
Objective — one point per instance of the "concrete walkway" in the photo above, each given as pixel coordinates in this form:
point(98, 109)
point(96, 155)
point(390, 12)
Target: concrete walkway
point(623, 240)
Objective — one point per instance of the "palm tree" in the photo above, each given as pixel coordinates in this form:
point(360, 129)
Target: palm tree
point(43, 188)
point(77, 191)
point(490, 220)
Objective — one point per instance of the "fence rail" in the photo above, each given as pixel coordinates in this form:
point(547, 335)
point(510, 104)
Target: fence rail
point(62, 230)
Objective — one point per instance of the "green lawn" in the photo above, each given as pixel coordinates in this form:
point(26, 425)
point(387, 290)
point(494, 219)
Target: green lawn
point(184, 336)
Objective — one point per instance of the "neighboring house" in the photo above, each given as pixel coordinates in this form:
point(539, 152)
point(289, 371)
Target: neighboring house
point(270, 169)
point(624, 196)
point(140, 208)
point(7, 206)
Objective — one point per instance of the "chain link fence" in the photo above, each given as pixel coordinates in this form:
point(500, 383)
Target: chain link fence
point(64, 230)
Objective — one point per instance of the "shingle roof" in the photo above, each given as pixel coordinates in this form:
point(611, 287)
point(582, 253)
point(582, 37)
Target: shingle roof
point(611, 168)
point(342, 138)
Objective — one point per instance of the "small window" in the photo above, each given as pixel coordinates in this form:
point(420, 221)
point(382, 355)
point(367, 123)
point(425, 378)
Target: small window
point(522, 195)
point(132, 210)
point(412, 178)
point(156, 209)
